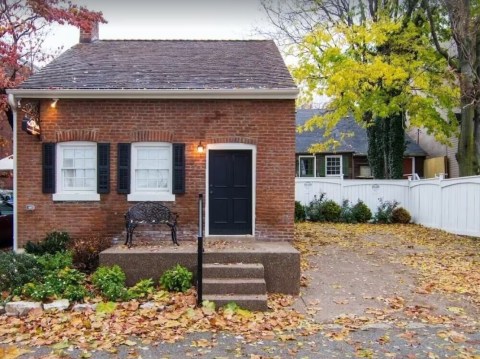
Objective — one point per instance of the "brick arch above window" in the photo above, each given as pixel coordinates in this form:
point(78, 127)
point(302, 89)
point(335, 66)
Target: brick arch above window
point(90, 135)
point(234, 139)
point(153, 136)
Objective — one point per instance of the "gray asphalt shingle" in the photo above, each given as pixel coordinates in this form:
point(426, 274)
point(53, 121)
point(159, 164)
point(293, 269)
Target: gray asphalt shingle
point(357, 144)
point(166, 64)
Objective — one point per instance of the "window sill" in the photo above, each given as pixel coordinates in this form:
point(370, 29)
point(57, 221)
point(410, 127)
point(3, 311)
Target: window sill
point(143, 197)
point(76, 197)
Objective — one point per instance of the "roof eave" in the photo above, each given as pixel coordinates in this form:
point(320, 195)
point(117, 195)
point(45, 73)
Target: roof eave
point(267, 94)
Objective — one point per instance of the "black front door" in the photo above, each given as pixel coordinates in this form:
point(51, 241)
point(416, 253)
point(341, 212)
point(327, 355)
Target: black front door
point(230, 191)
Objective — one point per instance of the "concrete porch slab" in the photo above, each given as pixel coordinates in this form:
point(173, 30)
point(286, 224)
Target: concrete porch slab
point(280, 260)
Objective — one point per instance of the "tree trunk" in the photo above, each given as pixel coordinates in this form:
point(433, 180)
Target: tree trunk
point(469, 142)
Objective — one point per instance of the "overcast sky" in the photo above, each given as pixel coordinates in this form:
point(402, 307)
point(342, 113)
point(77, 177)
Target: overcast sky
point(170, 19)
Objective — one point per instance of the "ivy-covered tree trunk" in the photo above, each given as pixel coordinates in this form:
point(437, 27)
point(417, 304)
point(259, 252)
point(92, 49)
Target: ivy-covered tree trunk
point(386, 145)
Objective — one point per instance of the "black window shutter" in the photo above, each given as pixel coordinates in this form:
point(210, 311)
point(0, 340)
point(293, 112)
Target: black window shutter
point(103, 168)
point(48, 167)
point(178, 164)
point(123, 166)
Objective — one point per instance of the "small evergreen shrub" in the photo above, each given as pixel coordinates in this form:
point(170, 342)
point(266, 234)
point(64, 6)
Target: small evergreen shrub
point(141, 289)
point(384, 211)
point(401, 215)
point(16, 270)
point(346, 213)
point(86, 252)
point(331, 211)
point(110, 281)
point(299, 212)
point(361, 212)
point(177, 279)
point(54, 242)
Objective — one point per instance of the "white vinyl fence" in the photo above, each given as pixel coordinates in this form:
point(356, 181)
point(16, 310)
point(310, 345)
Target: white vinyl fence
point(449, 204)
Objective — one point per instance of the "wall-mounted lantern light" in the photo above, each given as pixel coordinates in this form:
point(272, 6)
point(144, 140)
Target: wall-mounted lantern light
point(200, 148)
point(54, 103)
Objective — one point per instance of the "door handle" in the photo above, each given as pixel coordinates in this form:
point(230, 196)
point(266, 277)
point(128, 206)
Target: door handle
point(211, 191)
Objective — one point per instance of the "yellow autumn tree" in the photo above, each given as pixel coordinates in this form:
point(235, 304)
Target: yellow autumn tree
point(386, 74)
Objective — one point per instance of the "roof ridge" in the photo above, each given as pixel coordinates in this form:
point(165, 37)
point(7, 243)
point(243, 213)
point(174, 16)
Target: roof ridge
point(186, 40)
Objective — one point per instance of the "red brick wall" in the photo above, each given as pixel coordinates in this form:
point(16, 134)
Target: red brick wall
point(270, 124)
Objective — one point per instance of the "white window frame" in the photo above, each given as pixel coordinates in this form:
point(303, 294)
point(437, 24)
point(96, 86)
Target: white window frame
point(63, 194)
point(341, 166)
point(149, 195)
point(314, 166)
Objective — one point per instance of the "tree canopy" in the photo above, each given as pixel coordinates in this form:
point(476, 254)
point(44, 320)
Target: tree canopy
point(379, 68)
point(23, 27)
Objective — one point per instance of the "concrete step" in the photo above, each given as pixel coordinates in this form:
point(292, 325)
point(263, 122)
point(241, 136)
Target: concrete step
point(234, 286)
point(233, 270)
point(245, 301)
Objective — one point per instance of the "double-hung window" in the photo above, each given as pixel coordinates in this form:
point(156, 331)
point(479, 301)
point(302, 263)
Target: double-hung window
point(151, 172)
point(333, 165)
point(76, 172)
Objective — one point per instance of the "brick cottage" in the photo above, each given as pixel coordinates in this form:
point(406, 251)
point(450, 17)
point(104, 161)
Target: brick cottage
point(122, 121)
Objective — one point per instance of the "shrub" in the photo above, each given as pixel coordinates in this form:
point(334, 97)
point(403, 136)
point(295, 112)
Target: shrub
point(314, 211)
point(16, 270)
point(401, 215)
point(361, 212)
point(110, 281)
point(346, 212)
point(384, 211)
point(54, 242)
point(142, 289)
point(65, 283)
point(178, 279)
point(299, 212)
point(55, 262)
point(331, 211)
point(86, 252)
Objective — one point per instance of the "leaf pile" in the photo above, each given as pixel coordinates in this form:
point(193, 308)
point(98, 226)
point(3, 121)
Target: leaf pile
point(171, 318)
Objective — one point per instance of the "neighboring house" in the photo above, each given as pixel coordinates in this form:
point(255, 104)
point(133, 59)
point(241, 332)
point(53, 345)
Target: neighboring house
point(349, 158)
point(434, 149)
point(128, 120)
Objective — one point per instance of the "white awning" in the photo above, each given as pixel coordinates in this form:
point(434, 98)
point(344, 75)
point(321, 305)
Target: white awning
point(6, 164)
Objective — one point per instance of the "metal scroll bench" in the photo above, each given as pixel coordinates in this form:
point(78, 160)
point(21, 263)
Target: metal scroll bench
point(150, 213)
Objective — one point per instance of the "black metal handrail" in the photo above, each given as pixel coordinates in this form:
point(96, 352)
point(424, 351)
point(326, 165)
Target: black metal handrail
point(200, 251)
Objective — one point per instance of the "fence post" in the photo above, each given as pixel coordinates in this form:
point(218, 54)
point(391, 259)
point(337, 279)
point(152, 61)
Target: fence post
point(200, 251)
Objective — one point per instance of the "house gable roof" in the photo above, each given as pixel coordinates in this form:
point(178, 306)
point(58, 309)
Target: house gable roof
point(357, 143)
point(165, 65)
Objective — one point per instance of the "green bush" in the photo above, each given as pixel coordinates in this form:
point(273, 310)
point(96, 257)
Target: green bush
point(361, 212)
point(401, 215)
point(346, 213)
point(16, 270)
point(141, 289)
point(55, 262)
point(384, 211)
point(54, 242)
point(177, 279)
point(331, 211)
point(65, 283)
point(86, 252)
point(110, 281)
point(299, 212)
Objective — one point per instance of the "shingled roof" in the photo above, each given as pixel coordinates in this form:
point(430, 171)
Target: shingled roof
point(357, 143)
point(164, 65)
